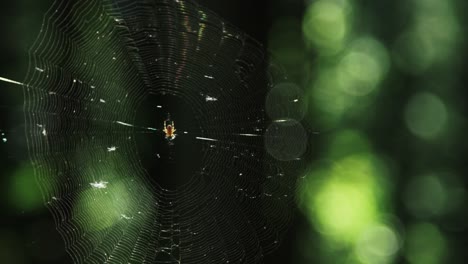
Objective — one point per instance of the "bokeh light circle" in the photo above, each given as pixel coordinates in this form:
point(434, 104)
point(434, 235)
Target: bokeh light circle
point(286, 140)
point(425, 115)
point(286, 101)
point(377, 244)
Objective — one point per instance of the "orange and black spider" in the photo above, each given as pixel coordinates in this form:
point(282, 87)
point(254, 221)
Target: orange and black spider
point(169, 130)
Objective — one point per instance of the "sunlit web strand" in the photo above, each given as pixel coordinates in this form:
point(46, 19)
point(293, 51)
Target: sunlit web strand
point(11, 81)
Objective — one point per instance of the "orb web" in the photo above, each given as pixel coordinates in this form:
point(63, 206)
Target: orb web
point(103, 78)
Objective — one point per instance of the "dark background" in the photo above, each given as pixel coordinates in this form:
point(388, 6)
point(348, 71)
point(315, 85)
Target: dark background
point(27, 231)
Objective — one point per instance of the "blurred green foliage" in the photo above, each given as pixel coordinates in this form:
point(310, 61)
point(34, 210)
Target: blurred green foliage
point(382, 80)
point(24, 194)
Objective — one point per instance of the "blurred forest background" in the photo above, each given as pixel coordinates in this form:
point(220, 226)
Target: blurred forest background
point(386, 90)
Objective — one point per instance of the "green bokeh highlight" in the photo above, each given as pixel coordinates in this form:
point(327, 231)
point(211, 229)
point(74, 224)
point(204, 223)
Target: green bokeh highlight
point(346, 199)
point(377, 245)
point(434, 195)
point(431, 39)
point(363, 66)
point(425, 244)
point(426, 115)
point(343, 198)
point(103, 208)
point(326, 25)
point(345, 206)
point(24, 193)
point(347, 83)
point(347, 142)
point(383, 88)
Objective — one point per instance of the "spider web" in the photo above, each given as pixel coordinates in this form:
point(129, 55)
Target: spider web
point(103, 77)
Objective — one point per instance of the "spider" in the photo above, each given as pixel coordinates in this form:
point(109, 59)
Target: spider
point(169, 130)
